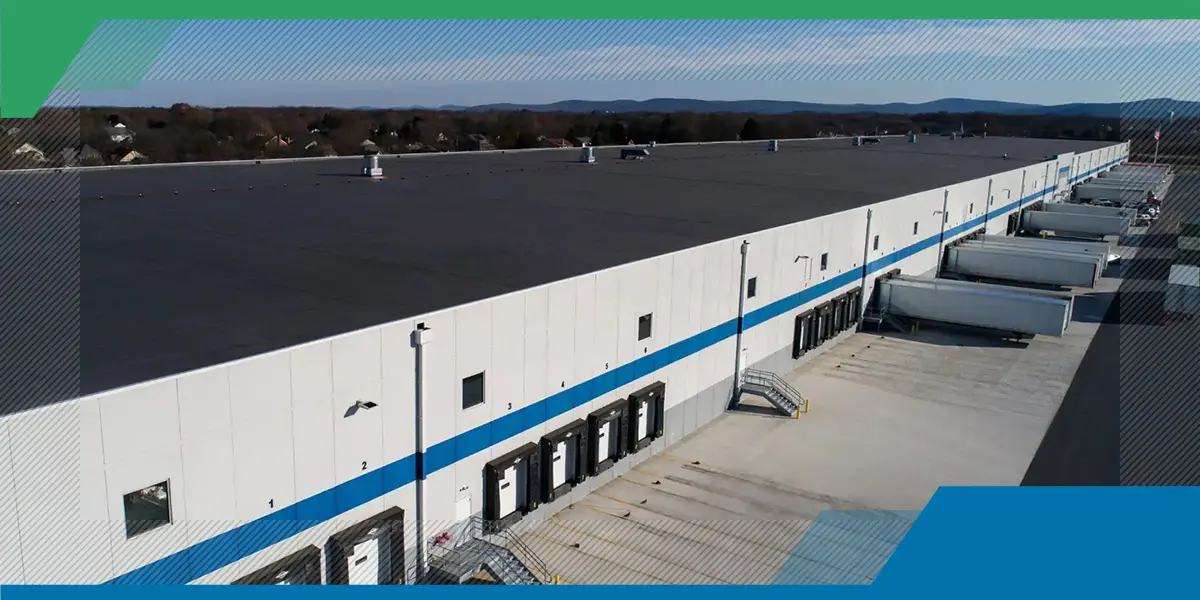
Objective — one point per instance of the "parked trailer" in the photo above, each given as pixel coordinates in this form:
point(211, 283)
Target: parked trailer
point(1100, 259)
point(995, 307)
point(1086, 209)
point(1101, 250)
point(1086, 247)
point(1183, 292)
point(1040, 220)
point(1022, 265)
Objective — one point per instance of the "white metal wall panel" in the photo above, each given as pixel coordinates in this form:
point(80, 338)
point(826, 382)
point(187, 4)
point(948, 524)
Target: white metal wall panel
point(66, 537)
point(560, 357)
point(358, 435)
point(206, 429)
point(11, 569)
point(264, 467)
point(313, 417)
point(607, 326)
point(585, 336)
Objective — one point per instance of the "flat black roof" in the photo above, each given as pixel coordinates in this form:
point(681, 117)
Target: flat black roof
point(188, 266)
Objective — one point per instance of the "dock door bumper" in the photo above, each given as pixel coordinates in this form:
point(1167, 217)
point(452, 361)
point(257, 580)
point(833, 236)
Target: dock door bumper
point(564, 459)
point(513, 486)
point(646, 407)
point(300, 568)
point(607, 431)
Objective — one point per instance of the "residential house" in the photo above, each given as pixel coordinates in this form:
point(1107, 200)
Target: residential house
point(132, 157)
point(554, 142)
point(476, 141)
point(30, 152)
point(119, 133)
point(277, 142)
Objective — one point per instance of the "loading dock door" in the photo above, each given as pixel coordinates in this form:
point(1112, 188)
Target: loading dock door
point(642, 418)
point(370, 553)
point(300, 568)
point(512, 486)
point(800, 336)
point(508, 491)
point(607, 432)
point(364, 563)
point(563, 452)
point(606, 443)
point(560, 464)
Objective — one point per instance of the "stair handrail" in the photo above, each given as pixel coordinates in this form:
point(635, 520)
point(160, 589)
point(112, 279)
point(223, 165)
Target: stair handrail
point(771, 379)
point(513, 543)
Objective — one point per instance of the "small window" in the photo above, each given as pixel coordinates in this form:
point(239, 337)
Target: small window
point(645, 326)
point(875, 243)
point(752, 287)
point(472, 391)
point(147, 509)
point(824, 261)
point(916, 224)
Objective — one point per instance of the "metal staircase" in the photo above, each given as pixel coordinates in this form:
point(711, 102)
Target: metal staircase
point(775, 390)
point(501, 554)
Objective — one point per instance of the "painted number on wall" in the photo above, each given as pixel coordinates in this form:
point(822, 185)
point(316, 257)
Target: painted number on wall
point(364, 466)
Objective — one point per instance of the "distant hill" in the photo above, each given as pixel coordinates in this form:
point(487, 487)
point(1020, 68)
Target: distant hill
point(1138, 109)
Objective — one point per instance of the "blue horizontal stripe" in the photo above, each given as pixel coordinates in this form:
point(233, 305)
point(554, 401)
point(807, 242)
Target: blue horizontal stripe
point(220, 551)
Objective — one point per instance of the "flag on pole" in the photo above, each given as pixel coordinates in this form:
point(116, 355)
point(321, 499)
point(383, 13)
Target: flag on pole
point(1156, 135)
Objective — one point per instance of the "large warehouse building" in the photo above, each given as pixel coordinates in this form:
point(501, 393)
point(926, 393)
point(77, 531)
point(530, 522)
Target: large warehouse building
point(297, 373)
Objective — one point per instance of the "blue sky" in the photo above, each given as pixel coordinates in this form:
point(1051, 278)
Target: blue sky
point(431, 63)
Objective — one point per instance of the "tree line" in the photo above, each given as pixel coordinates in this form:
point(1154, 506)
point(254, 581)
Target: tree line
point(185, 133)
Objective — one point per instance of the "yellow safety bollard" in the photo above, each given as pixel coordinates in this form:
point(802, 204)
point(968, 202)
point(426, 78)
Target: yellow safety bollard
point(557, 580)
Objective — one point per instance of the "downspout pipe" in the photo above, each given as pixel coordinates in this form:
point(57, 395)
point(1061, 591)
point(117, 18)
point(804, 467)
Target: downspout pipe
point(738, 367)
point(421, 337)
point(862, 288)
point(942, 233)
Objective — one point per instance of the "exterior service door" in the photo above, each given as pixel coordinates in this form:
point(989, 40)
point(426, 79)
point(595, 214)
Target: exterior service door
point(364, 563)
point(558, 464)
point(508, 491)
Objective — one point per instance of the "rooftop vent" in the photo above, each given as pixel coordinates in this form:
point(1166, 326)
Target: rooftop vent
point(653, 143)
point(773, 146)
point(588, 155)
point(858, 140)
point(912, 138)
point(371, 166)
point(635, 154)
point(953, 135)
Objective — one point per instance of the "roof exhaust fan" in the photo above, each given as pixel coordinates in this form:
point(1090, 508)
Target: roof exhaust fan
point(371, 166)
point(773, 146)
point(588, 156)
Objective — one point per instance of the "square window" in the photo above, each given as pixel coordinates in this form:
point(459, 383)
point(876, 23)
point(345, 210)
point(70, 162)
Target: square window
point(752, 287)
point(645, 326)
point(147, 509)
point(915, 225)
point(472, 391)
point(875, 243)
point(824, 261)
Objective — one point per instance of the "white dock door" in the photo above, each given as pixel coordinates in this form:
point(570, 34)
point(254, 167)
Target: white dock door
point(558, 464)
point(604, 449)
point(508, 491)
point(364, 563)
point(643, 421)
